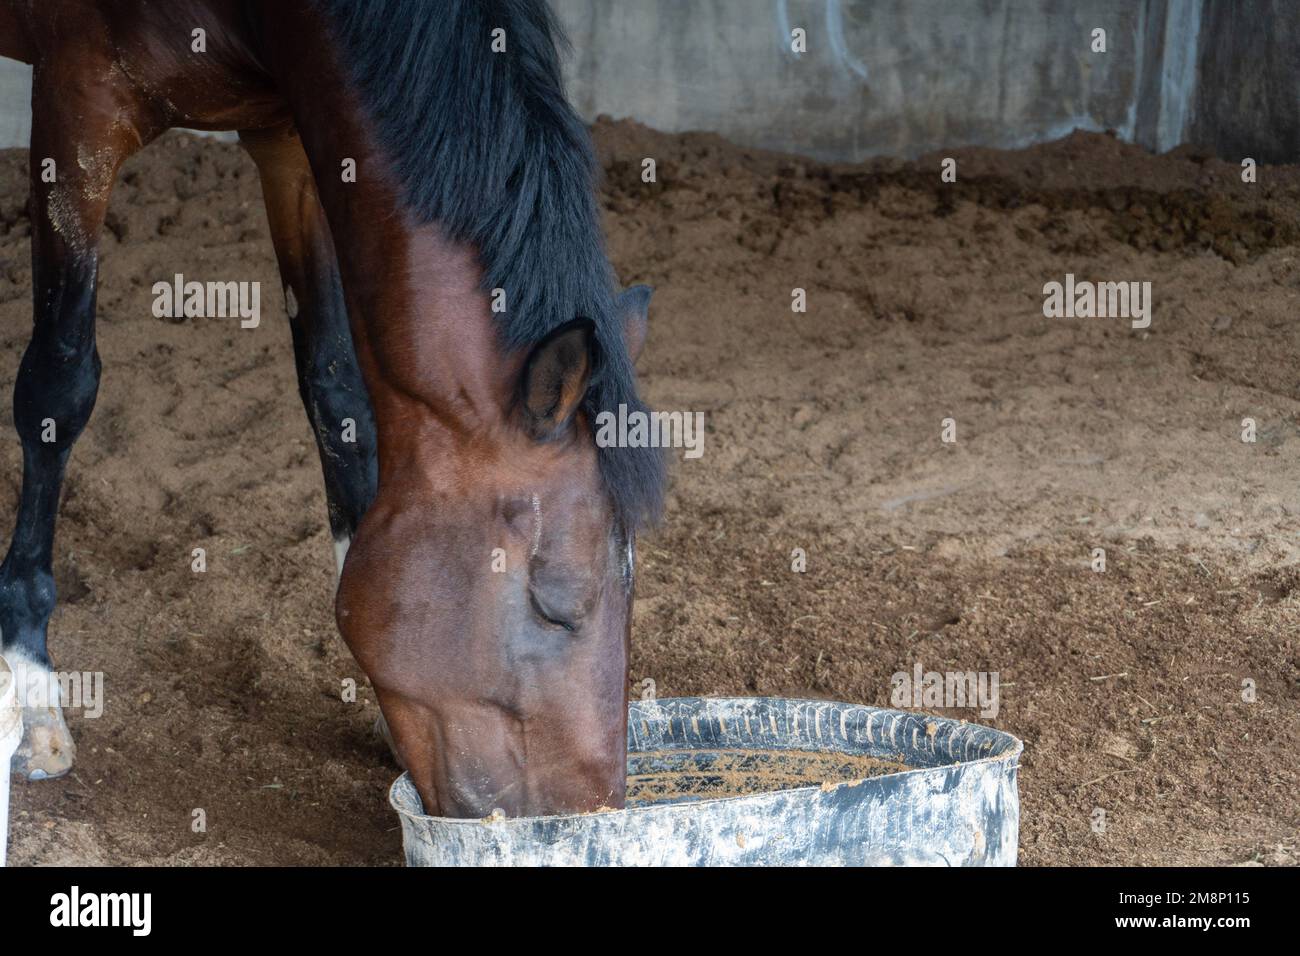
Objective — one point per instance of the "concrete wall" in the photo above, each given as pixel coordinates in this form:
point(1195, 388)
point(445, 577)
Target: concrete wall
point(905, 77)
point(1248, 101)
point(887, 76)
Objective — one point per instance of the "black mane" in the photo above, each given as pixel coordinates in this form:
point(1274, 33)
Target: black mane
point(486, 145)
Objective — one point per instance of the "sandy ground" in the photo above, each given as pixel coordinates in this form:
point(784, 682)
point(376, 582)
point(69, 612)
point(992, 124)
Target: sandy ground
point(824, 433)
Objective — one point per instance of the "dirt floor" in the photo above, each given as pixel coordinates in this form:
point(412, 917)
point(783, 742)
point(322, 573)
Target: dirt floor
point(824, 433)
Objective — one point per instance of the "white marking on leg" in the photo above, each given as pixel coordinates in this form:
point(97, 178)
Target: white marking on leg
point(35, 686)
point(340, 555)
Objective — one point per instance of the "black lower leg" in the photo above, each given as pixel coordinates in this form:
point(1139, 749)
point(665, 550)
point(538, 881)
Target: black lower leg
point(338, 407)
point(329, 378)
point(54, 395)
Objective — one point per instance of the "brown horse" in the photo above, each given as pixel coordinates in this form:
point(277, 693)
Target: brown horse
point(430, 198)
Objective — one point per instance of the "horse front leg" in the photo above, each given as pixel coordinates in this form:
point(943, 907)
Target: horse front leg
point(329, 378)
point(81, 133)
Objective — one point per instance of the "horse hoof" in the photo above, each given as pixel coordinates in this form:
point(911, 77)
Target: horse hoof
point(381, 728)
point(47, 750)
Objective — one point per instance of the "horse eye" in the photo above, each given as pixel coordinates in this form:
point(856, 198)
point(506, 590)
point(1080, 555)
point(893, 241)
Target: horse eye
point(549, 616)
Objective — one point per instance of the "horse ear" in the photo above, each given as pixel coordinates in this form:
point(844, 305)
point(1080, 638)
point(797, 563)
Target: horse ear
point(556, 376)
point(633, 307)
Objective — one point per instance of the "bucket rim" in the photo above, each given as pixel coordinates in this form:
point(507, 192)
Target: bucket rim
point(1009, 755)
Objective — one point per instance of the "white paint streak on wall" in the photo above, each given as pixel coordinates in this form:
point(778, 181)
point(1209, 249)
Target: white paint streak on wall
point(835, 32)
point(1178, 73)
point(833, 11)
point(782, 11)
point(1128, 131)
